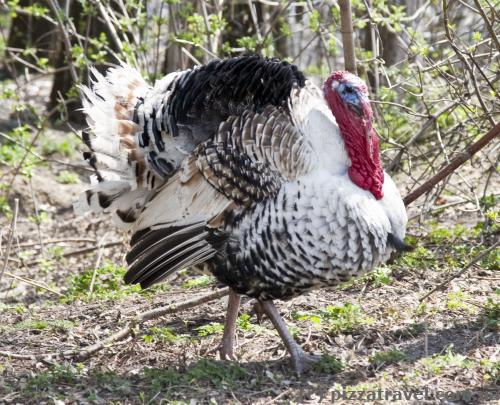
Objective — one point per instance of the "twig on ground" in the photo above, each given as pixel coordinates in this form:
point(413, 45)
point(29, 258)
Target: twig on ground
point(87, 351)
point(97, 264)
point(33, 283)
point(12, 230)
point(81, 251)
point(56, 241)
point(37, 215)
point(459, 273)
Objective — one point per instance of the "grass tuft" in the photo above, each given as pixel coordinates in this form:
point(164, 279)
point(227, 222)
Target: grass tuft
point(337, 318)
point(329, 364)
point(212, 328)
point(198, 282)
point(108, 285)
point(438, 363)
point(391, 356)
point(66, 177)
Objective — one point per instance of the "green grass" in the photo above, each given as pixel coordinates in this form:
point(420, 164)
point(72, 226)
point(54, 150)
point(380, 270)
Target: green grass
point(17, 308)
point(379, 277)
point(213, 328)
point(439, 235)
point(66, 146)
point(217, 374)
point(60, 380)
point(66, 177)
point(211, 371)
point(161, 334)
point(198, 282)
point(336, 318)
point(58, 325)
point(111, 381)
point(329, 365)
point(421, 258)
point(456, 300)
point(5, 208)
point(438, 363)
point(391, 356)
point(490, 370)
point(243, 324)
point(161, 379)
point(491, 311)
point(108, 285)
point(41, 384)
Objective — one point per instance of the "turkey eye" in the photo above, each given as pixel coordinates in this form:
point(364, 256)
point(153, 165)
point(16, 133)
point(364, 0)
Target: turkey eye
point(349, 90)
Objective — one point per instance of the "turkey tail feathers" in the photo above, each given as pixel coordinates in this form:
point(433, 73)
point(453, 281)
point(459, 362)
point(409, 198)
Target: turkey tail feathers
point(117, 161)
point(166, 249)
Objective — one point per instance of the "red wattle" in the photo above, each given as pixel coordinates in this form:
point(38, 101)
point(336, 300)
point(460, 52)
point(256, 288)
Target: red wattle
point(361, 143)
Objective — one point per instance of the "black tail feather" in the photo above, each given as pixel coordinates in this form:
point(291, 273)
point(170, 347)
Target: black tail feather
point(145, 240)
point(398, 244)
point(160, 252)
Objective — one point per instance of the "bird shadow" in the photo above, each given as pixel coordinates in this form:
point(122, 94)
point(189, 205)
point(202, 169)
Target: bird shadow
point(276, 377)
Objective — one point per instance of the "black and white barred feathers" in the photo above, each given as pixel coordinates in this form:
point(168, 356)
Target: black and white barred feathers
point(238, 167)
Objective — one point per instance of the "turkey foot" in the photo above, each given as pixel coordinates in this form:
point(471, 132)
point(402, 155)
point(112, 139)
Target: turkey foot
point(301, 360)
point(226, 350)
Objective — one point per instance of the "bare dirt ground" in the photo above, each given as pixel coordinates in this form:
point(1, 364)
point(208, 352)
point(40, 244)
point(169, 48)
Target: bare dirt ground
point(379, 342)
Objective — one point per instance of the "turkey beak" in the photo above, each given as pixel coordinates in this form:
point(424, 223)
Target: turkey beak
point(356, 108)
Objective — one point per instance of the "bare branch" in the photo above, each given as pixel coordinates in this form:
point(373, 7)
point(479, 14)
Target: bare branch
point(428, 124)
point(347, 35)
point(487, 21)
point(442, 285)
point(67, 43)
point(455, 163)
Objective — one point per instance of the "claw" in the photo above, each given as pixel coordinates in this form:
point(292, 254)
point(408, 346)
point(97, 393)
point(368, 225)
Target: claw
point(226, 351)
point(301, 361)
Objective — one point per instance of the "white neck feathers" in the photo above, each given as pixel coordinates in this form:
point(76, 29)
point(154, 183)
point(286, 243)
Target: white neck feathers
point(313, 117)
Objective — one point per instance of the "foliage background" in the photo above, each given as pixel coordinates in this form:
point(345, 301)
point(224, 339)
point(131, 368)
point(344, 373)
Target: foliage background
point(434, 83)
point(433, 71)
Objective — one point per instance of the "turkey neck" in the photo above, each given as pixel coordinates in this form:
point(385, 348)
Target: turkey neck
point(363, 150)
point(361, 143)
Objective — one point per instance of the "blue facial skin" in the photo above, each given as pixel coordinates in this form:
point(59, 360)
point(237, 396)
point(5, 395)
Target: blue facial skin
point(348, 93)
point(351, 97)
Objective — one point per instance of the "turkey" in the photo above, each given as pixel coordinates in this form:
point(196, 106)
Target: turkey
point(245, 169)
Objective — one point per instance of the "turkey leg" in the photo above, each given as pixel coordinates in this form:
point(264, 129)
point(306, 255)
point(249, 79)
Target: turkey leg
point(300, 359)
point(227, 344)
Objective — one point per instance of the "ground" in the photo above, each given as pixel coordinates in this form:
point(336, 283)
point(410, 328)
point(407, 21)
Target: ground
point(375, 335)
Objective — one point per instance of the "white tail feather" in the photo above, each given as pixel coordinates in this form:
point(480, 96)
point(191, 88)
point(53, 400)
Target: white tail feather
point(109, 105)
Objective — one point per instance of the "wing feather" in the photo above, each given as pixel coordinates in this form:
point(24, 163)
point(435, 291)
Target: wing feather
point(251, 153)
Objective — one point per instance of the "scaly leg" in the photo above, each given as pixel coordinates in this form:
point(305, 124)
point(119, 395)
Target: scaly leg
point(227, 344)
point(300, 359)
